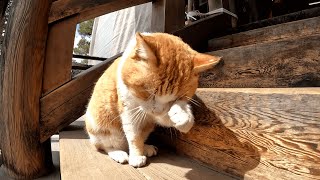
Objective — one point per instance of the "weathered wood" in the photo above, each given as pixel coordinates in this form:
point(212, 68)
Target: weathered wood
point(299, 15)
point(79, 159)
point(67, 103)
point(88, 9)
point(253, 132)
point(287, 63)
point(57, 66)
point(21, 66)
point(289, 30)
point(208, 27)
point(167, 15)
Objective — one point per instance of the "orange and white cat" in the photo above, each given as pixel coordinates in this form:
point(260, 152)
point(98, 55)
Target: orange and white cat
point(149, 85)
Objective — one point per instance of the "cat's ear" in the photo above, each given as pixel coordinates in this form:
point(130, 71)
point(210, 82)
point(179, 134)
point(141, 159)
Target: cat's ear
point(204, 62)
point(143, 50)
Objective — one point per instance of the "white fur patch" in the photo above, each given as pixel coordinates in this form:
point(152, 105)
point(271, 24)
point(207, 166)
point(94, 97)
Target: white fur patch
point(181, 115)
point(137, 161)
point(119, 156)
point(91, 120)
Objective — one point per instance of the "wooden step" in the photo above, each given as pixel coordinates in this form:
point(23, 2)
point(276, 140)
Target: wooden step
point(285, 63)
point(267, 133)
point(291, 30)
point(79, 160)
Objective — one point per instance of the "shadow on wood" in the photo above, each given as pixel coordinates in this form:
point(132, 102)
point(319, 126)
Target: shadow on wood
point(251, 132)
point(211, 142)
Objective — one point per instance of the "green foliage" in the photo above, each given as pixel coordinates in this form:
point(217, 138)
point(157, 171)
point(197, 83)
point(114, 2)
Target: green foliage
point(85, 31)
point(85, 28)
point(83, 47)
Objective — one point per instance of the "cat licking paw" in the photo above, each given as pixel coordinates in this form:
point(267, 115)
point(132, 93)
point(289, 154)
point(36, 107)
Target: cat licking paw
point(182, 117)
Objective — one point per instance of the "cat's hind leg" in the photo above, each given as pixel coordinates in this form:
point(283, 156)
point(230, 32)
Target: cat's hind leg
point(115, 146)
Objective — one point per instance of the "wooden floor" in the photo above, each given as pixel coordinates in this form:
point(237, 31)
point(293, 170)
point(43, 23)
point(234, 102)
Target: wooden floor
point(79, 160)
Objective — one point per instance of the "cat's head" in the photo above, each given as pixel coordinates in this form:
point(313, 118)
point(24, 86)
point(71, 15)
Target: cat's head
point(161, 69)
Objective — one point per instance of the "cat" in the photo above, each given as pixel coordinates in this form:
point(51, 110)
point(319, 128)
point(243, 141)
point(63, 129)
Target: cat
point(149, 85)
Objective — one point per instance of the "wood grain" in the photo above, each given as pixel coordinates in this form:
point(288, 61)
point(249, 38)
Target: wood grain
point(291, 30)
point(21, 65)
point(88, 9)
point(287, 63)
point(57, 66)
point(79, 159)
point(253, 132)
point(167, 15)
point(67, 103)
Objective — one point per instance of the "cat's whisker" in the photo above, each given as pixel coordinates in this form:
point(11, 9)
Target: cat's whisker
point(135, 117)
point(195, 102)
point(181, 96)
point(120, 114)
point(170, 133)
point(175, 132)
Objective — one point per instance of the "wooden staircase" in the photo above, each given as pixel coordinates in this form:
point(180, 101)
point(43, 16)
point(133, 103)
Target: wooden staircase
point(263, 124)
point(257, 114)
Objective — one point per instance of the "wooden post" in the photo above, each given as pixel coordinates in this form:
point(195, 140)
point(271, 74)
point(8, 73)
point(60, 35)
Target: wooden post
point(167, 15)
point(21, 68)
point(58, 63)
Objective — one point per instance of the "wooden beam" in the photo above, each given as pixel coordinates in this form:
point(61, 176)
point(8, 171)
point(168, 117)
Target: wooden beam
point(67, 103)
point(287, 63)
point(57, 67)
point(21, 66)
point(167, 15)
point(299, 15)
point(88, 9)
point(209, 28)
point(291, 30)
point(252, 132)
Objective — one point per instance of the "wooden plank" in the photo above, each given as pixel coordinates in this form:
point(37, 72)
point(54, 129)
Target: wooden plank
point(287, 63)
point(79, 159)
point(299, 15)
point(252, 132)
point(88, 9)
point(289, 30)
point(67, 103)
point(209, 28)
point(168, 165)
point(21, 66)
point(167, 15)
point(57, 67)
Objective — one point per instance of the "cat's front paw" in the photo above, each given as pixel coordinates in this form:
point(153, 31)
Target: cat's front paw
point(150, 150)
point(119, 156)
point(182, 117)
point(137, 161)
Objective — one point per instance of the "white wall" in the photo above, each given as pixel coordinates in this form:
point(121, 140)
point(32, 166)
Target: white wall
point(112, 32)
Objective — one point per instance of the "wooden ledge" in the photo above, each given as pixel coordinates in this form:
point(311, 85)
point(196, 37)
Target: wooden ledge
point(88, 9)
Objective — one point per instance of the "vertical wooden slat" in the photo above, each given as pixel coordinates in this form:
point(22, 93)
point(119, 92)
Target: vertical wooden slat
point(58, 64)
point(167, 15)
point(21, 66)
